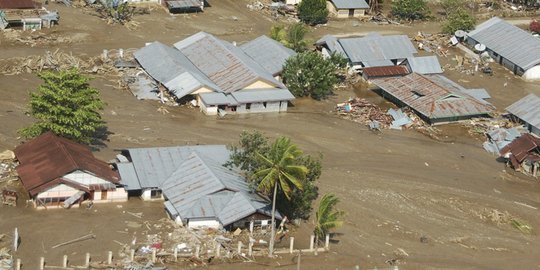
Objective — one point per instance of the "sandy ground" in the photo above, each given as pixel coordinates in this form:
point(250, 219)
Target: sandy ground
point(396, 187)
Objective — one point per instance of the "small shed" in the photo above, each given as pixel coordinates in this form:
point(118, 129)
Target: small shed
point(347, 8)
point(527, 111)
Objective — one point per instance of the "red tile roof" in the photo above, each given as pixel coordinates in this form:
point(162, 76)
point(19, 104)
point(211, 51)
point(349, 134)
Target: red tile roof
point(388, 71)
point(17, 4)
point(48, 157)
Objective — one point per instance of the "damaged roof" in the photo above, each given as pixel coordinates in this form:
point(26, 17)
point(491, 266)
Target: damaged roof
point(223, 63)
point(527, 109)
point(48, 157)
point(433, 96)
point(203, 188)
point(524, 147)
point(509, 41)
point(270, 54)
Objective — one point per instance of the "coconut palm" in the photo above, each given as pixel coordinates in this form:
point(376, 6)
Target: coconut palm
point(279, 171)
point(327, 217)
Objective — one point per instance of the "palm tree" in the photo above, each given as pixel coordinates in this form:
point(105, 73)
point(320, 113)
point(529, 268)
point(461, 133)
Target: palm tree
point(279, 171)
point(326, 217)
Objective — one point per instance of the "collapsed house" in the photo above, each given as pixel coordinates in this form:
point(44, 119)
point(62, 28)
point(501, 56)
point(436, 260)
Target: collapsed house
point(347, 8)
point(523, 154)
point(375, 50)
point(26, 14)
point(198, 190)
point(57, 172)
point(510, 46)
point(221, 77)
point(435, 98)
point(527, 111)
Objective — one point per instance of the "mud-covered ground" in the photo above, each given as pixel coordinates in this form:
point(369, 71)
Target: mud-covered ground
point(396, 187)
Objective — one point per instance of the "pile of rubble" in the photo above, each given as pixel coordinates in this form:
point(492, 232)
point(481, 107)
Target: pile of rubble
point(6, 260)
point(7, 167)
point(274, 9)
point(39, 38)
point(55, 61)
point(432, 43)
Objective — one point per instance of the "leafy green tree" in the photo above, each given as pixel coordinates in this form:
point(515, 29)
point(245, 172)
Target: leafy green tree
point(459, 20)
point(67, 105)
point(309, 74)
point(327, 217)
point(280, 171)
point(313, 12)
point(244, 156)
point(410, 9)
point(291, 36)
point(449, 6)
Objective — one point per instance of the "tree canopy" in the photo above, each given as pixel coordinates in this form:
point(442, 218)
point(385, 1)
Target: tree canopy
point(313, 11)
point(310, 74)
point(291, 36)
point(410, 9)
point(327, 217)
point(67, 105)
point(459, 19)
point(244, 156)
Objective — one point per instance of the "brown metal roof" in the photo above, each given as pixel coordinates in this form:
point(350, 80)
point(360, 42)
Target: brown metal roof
point(433, 96)
point(49, 157)
point(388, 71)
point(17, 4)
point(526, 146)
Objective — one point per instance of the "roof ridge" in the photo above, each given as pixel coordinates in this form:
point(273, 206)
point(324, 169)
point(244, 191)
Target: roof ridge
point(63, 147)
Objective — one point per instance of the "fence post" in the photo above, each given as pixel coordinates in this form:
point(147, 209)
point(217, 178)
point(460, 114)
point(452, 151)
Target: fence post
point(218, 250)
point(41, 263)
point(197, 250)
point(291, 247)
point(18, 267)
point(87, 260)
point(65, 261)
point(311, 242)
point(250, 248)
point(176, 254)
point(109, 258)
point(239, 250)
point(154, 255)
point(327, 242)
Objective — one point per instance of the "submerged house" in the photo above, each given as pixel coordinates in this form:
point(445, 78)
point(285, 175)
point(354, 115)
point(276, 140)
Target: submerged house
point(434, 98)
point(523, 154)
point(347, 8)
point(197, 189)
point(527, 111)
point(184, 6)
point(220, 76)
point(375, 50)
point(57, 172)
point(510, 46)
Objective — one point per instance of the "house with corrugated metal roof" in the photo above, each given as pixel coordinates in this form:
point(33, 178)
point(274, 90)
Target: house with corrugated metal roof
point(220, 76)
point(375, 50)
point(510, 46)
point(434, 98)
point(527, 111)
point(196, 188)
point(523, 154)
point(57, 172)
point(347, 8)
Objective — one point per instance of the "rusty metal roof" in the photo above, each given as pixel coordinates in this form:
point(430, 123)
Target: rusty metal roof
point(388, 71)
point(523, 147)
point(433, 96)
point(48, 157)
point(18, 4)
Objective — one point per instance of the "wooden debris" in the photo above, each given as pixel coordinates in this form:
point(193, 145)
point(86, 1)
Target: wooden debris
point(82, 238)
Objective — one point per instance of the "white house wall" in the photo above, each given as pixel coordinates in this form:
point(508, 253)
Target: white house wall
point(147, 195)
point(59, 191)
point(208, 110)
point(532, 74)
point(118, 195)
point(85, 178)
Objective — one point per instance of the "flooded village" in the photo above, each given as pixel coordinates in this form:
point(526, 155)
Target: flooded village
point(294, 134)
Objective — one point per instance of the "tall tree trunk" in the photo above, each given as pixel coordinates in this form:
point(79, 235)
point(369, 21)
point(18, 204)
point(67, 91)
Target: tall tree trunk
point(273, 229)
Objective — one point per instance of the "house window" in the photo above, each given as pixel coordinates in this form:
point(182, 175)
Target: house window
point(264, 104)
point(155, 194)
point(248, 106)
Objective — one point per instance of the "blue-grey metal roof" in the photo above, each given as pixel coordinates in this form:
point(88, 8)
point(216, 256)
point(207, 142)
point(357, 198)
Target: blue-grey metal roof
point(128, 176)
point(509, 41)
point(480, 94)
point(144, 87)
point(184, 4)
point(527, 109)
point(262, 95)
point(218, 99)
point(350, 4)
point(154, 165)
point(225, 64)
point(425, 64)
point(332, 44)
point(374, 47)
point(203, 188)
point(172, 69)
point(270, 54)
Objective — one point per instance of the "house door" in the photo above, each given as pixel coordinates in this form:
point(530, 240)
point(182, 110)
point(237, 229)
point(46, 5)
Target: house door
point(103, 195)
point(351, 12)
